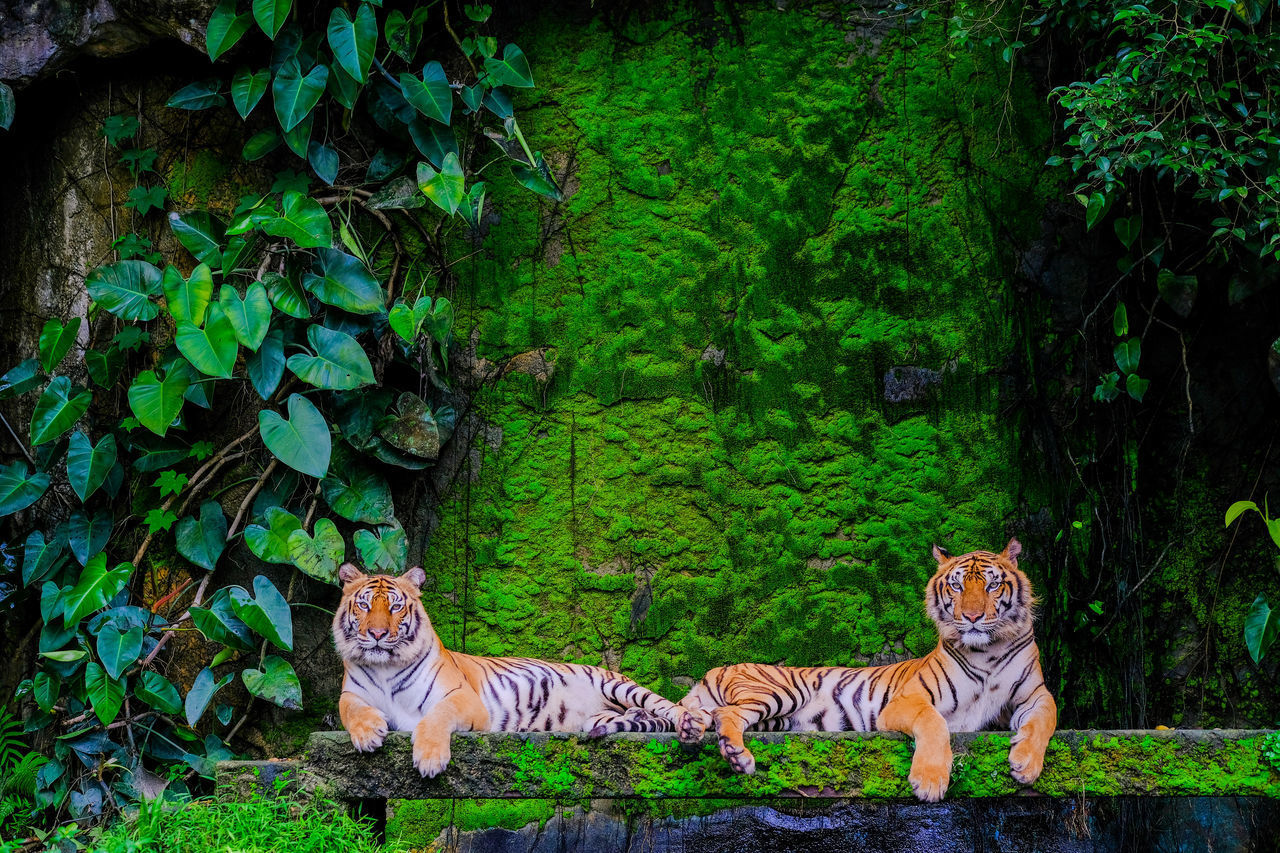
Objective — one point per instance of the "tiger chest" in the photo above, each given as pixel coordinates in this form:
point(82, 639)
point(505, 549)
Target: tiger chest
point(403, 695)
point(976, 705)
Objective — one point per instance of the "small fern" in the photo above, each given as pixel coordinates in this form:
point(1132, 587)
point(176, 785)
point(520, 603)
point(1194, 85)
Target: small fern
point(13, 749)
point(20, 781)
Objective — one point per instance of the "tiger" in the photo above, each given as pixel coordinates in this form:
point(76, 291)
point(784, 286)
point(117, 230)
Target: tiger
point(398, 676)
point(985, 669)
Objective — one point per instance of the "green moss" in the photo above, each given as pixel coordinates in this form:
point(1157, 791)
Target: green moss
point(418, 823)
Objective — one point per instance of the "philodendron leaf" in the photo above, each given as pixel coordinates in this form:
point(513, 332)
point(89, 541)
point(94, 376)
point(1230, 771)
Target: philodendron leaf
point(188, 299)
point(125, 289)
point(1261, 627)
point(287, 295)
point(271, 543)
point(266, 612)
point(353, 41)
point(40, 556)
point(159, 692)
point(202, 540)
point(106, 694)
point(511, 70)
point(271, 15)
point(304, 221)
point(88, 534)
point(385, 551)
point(250, 317)
point(225, 29)
point(201, 234)
point(399, 194)
point(266, 366)
point(295, 93)
point(430, 94)
point(196, 96)
point(57, 410)
point(342, 281)
point(302, 442)
point(212, 349)
point(445, 188)
point(156, 402)
point(318, 556)
point(414, 429)
point(20, 379)
point(55, 341)
point(1128, 354)
point(118, 650)
point(276, 682)
point(219, 623)
point(357, 493)
point(247, 89)
point(88, 464)
point(19, 488)
point(95, 588)
point(202, 692)
point(339, 363)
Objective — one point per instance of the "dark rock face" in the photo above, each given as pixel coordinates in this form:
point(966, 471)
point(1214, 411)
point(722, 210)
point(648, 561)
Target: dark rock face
point(37, 37)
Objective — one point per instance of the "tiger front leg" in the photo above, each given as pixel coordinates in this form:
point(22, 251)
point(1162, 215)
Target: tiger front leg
point(731, 721)
point(460, 711)
point(1033, 722)
point(365, 723)
point(931, 763)
point(692, 724)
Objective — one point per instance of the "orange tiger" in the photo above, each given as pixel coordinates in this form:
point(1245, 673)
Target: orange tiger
point(398, 676)
point(986, 668)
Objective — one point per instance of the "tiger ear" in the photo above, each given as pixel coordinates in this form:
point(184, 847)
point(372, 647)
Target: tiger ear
point(1012, 550)
point(416, 576)
point(940, 554)
point(348, 573)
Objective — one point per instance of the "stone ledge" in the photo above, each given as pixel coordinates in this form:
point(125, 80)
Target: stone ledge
point(1217, 762)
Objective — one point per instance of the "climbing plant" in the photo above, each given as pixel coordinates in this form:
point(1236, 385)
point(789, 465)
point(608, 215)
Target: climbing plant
point(288, 349)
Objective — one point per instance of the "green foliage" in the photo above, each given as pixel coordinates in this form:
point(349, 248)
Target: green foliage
point(1261, 624)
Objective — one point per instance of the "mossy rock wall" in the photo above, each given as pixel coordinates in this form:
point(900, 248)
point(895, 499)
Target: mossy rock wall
point(776, 306)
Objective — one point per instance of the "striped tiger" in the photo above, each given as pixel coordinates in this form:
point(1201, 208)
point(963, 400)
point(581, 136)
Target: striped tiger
point(398, 676)
point(985, 669)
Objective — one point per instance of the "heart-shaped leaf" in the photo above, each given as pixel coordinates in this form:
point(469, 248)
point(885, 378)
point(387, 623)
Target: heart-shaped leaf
point(537, 179)
point(225, 29)
point(118, 649)
point(271, 15)
point(106, 694)
point(445, 188)
point(438, 321)
point(302, 442)
point(89, 534)
point(1128, 229)
point(353, 41)
point(266, 366)
point(1127, 354)
point(399, 194)
point(320, 555)
point(19, 488)
point(41, 557)
point(219, 623)
point(403, 321)
point(155, 402)
point(45, 688)
point(431, 94)
point(303, 221)
point(201, 540)
point(276, 682)
point(195, 96)
point(212, 349)
point(295, 94)
point(55, 341)
point(357, 493)
point(511, 70)
point(201, 234)
point(271, 543)
point(158, 692)
point(247, 88)
point(299, 139)
point(188, 299)
point(202, 692)
point(260, 145)
point(287, 295)
point(57, 410)
point(250, 317)
point(1261, 628)
point(413, 430)
point(339, 362)
point(342, 281)
point(385, 552)
point(104, 367)
point(20, 379)
point(95, 588)
point(342, 87)
point(473, 205)
point(89, 464)
point(434, 140)
point(324, 161)
point(125, 289)
point(266, 612)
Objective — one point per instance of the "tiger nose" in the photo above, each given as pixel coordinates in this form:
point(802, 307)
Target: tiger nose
point(378, 633)
point(973, 617)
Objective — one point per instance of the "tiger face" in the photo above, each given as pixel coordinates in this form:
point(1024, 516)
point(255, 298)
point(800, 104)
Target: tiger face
point(979, 597)
point(380, 620)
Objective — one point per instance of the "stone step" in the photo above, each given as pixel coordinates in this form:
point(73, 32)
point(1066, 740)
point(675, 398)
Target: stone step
point(1095, 763)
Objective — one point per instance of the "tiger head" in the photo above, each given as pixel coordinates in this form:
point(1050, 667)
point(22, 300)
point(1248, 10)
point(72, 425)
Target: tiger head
point(380, 620)
point(980, 597)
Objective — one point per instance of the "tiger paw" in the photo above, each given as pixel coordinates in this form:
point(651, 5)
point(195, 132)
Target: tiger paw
point(692, 725)
point(368, 731)
point(738, 756)
point(430, 756)
point(1025, 762)
point(929, 779)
